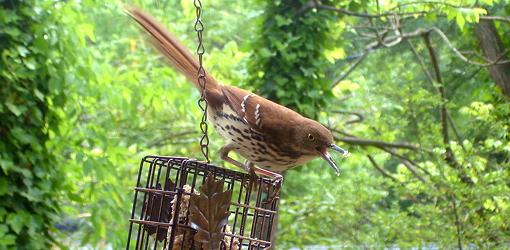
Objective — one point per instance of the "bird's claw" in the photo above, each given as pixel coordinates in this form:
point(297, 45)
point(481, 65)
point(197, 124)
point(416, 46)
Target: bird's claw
point(248, 166)
point(277, 181)
point(277, 186)
point(253, 175)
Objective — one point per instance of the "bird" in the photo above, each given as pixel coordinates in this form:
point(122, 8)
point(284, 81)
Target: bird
point(271, 137)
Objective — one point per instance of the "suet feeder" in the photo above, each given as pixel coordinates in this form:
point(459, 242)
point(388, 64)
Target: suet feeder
point(181, 203)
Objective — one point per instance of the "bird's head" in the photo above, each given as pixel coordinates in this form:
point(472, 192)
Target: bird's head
point(315, 139)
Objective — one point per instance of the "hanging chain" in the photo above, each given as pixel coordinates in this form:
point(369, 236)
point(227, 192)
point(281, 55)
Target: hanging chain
point(202, 102)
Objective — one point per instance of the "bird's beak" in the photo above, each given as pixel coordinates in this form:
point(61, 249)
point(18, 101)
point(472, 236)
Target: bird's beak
point(325, 154)
point(344, 152)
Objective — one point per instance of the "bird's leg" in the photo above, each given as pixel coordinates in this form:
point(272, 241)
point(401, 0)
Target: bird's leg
point(253, 170)
point(277, 182)
point(224, 156)
point(276, 177)
point(252, 179)
point(250, 166)
point(247, 166)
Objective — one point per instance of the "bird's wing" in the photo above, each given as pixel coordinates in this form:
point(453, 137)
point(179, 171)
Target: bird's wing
point(262, 115)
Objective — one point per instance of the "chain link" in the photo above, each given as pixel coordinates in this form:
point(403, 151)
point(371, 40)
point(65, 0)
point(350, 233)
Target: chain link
point(202, 102)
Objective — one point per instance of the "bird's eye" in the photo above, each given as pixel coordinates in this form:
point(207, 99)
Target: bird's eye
point(310, 137)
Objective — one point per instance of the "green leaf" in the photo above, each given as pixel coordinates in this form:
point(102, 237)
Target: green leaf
point(23, 51)
point(333, 55)
point(87, 31)
point(13, 108)
point(23, 136)
point(39, 94)
point(3, 230)
point(18, 220)
point(3, 212)
point(7, 240)
point(460, 20)
point(30, 63)
point(479, 12)
point(12, 31)
point(431, 17)
point(6, 165)
point(264, 52)
point(450, 14)
point(282, 21)
point(4, 186)
point(75, 197)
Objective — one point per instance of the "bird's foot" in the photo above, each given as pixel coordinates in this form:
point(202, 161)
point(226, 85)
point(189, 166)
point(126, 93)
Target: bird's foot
point(273, 190)
point(277, 180)
point(273, 193)
point(248, 166)
point(253, 177)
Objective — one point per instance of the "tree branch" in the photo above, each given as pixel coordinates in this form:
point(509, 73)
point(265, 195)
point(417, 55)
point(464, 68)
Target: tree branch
point(342, 76)
point(449, 156)
point(407, 163)
point(433, 3)
point(496, 18)
point(381, 41)
point(458, 224)
point(455, 131)
point(421, 32)
point(422, 65)
point(431, 80)
point(394, 40)
point(405, 160)
point(319, 5)
point(380, 169)
point(352, 140)
point(359, 116)
point(463, 58)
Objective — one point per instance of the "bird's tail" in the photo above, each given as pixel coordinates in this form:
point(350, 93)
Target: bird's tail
point(176, 53)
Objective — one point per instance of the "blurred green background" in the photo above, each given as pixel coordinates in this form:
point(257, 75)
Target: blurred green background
point(404, 85)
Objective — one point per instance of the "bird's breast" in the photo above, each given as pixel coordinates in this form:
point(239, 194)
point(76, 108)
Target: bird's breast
point(253, 145)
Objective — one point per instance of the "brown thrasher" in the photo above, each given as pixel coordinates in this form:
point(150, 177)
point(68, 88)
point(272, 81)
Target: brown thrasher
point(271, 137)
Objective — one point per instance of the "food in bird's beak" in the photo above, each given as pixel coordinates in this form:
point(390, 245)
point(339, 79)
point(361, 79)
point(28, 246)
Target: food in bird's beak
point(326, 156)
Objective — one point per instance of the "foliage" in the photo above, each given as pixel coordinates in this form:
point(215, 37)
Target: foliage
point(87, 101)
point(32, 72)
point(286, 63)
point(419, 198)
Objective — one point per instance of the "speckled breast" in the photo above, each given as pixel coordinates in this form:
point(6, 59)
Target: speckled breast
point(249, 143)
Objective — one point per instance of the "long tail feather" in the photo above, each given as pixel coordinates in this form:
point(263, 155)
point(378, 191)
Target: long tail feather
point(176, 53)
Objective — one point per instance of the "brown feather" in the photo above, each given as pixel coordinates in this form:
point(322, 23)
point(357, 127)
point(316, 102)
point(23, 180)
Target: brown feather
point(176, 53)
point(275, 118)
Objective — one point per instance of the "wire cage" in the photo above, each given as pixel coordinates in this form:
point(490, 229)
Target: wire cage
point(168, 187)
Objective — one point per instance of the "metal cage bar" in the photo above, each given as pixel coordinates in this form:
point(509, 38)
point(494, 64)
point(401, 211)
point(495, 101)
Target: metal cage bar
point(161, 201)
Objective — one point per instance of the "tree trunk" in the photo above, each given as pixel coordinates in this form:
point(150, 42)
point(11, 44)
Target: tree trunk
point(492, 48)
